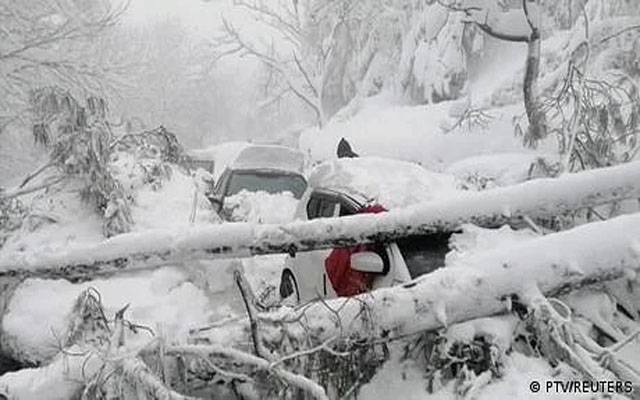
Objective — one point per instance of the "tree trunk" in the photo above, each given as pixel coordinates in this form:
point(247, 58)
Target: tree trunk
point(537, 118)
point(482, 286)
point(129, 251)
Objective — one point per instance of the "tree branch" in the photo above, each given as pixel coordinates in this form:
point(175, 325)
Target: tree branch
point(536, 198)
point(299, 381)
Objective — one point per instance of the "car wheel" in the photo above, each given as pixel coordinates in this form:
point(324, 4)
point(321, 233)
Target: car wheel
point(289, 293)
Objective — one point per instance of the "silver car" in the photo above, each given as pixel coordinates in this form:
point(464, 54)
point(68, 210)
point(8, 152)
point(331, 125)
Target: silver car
point(267, 168)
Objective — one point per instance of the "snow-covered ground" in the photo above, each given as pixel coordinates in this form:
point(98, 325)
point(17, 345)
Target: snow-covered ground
point(164, 299)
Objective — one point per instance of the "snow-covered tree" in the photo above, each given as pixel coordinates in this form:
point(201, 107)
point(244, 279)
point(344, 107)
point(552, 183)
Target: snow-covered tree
point(44, 43)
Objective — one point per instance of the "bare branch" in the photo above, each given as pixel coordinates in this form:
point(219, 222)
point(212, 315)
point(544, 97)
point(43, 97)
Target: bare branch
point(528, 17)
point(299, 381)
point(305, 74)
point(22, 191)
point(249, 300)
point(484, 27)
point(614, 35)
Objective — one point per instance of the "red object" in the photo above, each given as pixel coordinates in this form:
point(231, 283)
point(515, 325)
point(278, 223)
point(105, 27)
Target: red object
point(346, 281)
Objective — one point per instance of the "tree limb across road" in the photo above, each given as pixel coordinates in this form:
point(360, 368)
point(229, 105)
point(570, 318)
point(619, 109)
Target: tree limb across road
point(479, 286)
point(149, 249)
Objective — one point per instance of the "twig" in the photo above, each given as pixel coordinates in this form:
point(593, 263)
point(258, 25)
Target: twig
point(194, 206)
point(22, 192)
point(250, 303)
point(629, 28)
point(299, 381)
point(321, 347)
point(532, 225)
point(616, 347)
point(35, 173)
point(137, 373)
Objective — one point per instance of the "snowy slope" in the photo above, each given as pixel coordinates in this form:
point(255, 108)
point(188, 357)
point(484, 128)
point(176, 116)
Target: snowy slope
point(424, 134)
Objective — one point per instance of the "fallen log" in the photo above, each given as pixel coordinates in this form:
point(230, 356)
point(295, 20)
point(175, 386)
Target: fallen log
point(538, 198)
point(483, 285)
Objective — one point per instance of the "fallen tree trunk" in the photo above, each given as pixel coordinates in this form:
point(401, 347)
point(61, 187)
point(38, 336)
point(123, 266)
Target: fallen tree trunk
point(484, 285)
point(538, 198)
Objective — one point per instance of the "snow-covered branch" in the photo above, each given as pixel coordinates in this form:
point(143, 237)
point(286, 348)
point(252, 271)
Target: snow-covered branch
point(537, 198)
point(310, 387)
point(536, 117)
point(482, 285)
point(42, 43)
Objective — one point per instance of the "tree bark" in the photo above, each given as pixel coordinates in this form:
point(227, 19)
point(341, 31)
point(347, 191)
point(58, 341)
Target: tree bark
point(537, 118)
point(130, 251)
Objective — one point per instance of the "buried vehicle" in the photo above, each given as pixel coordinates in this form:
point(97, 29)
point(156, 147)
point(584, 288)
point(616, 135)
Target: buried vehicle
point(349, 186)
point(260, 168)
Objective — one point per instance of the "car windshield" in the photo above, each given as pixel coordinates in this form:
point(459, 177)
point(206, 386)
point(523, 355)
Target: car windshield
point(424, 253)
point(270, 182)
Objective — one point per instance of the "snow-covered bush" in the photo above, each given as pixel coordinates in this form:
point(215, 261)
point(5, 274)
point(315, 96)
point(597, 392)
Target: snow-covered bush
point(79, 141)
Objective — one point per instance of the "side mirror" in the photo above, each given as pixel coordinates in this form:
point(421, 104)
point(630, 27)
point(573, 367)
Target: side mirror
point(216, 201)
point(367, 261)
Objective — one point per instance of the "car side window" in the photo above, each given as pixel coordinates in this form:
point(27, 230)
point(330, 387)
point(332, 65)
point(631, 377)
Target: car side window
point(424, 253)
point(321, 205)
point(328, 208)
point(312, 207)
point(347, 209)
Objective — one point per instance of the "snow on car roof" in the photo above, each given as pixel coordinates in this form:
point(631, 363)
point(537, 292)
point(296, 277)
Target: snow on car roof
point(390, 183)
point(270, 156)
point(222, 154)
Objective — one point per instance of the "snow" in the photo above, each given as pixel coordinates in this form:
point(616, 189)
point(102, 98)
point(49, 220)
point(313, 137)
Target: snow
point(37, 317)
point(261, 207)
point(75, 223)
point(222, 154)
point(421, 134)
point(166, 203)
point(263, 274)
point(405, 379)
point(493, 170)
point(177, 196)
point(269, 156)
point(473, 240)
point(497, 330)
point(390, 183)
point(46, 382)
point(245, 155)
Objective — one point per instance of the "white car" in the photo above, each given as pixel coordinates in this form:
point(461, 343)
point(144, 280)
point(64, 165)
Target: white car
point(344, 187)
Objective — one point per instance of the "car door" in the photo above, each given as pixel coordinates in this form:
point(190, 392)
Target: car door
point(308, 266)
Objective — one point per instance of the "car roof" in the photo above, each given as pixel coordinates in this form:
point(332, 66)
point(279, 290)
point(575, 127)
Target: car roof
point(376, 180)
point(269, 157)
